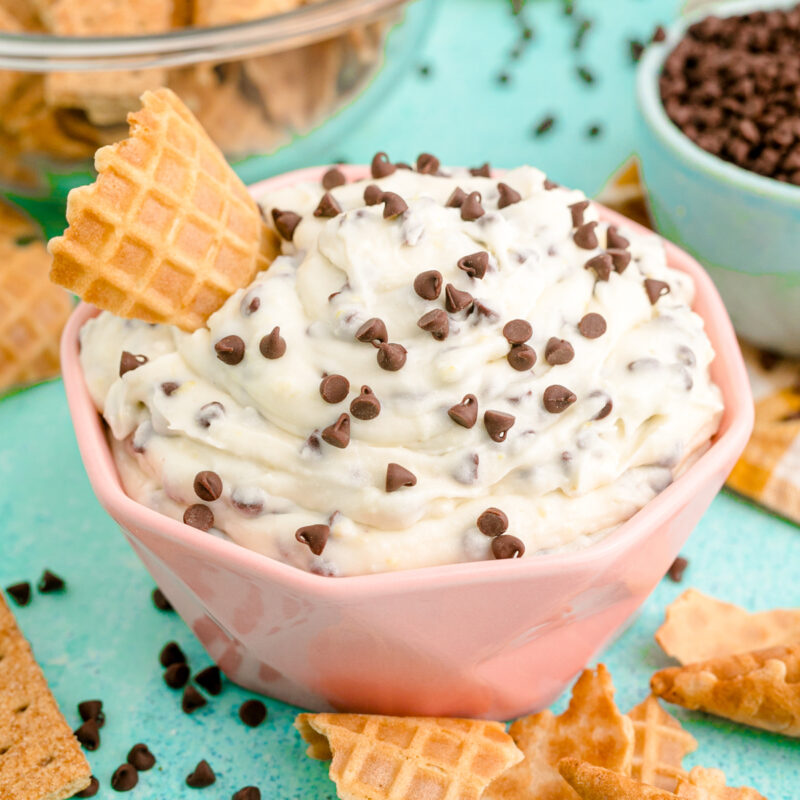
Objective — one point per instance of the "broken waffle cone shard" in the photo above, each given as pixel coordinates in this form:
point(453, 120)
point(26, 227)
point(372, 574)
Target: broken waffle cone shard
point(168, 231)
point(406, 758)
point(709, 784)
point(660, 744)
point(760, 689)
point(592, 728)
point(698, 627)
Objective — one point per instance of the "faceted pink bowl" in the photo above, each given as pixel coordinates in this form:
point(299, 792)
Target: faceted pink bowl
point(492, 639)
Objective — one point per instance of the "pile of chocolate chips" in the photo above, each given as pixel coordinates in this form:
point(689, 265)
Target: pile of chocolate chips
point(732, 85)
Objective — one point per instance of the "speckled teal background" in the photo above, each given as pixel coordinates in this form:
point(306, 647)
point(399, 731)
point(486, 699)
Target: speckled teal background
point(102, 637)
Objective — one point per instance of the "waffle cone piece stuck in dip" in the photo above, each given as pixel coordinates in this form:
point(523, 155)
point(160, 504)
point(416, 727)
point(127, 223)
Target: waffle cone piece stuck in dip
point(168, 231)
point(761, 689)
point(660, 745)
point(403, 758)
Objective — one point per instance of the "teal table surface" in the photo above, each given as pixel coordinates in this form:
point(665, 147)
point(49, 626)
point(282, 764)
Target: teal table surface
point(101, 638)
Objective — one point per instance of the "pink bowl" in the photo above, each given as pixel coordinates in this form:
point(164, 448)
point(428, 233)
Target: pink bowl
point(486, 639)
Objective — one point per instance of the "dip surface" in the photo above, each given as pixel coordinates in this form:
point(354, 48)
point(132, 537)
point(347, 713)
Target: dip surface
point(590, 383)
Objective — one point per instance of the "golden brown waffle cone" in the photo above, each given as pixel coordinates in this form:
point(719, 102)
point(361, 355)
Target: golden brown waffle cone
point(225, 12)
point(761, 689)
point(659, 746)
point(595, 783)
point(32, 310)
point(698, 627)
point(592, 728)
point(408, 758)
point(168, 231)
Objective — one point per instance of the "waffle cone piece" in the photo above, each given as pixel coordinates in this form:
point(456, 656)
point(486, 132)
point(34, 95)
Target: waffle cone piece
point(761, 689)
point(168, 231)
point(698, 627)
point(596, 783)
point(660, 745)
point(408, 758)
point(592, 728)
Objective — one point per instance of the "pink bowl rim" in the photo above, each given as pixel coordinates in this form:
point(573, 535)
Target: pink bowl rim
point(720, 457)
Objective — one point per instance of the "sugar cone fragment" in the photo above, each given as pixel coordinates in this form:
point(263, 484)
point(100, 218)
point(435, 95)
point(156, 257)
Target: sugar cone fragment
point(761, 689)
point(698, 627)
point(407, 758)
point(168, 231)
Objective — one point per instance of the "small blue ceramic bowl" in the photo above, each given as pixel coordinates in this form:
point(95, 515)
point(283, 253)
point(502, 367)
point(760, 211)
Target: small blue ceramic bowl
point(744, 228)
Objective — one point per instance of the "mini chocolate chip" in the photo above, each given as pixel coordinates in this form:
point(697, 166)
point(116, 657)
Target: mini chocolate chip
point(615, 240)
point(604, 411)
point(492, 522)
point(456, 199)
point(328, 207)
point(88, 734)
point(549, 185)
point(171, 653)
point(592, 325)
point(428, 284)
point(655, 289)
point(210, 679)
point(230, 350)
point(314, 536)
point(517, 331)
point(659, 34)
point(483, 311)
point(332, 178)
point(577, 210)
point(366, 406)
point(334, 388)
point(593, 131)
point(507, 546)
point(620, 259)
point(91, 790)
point(602, 266)
point(391, 357)
point(338, 434)
point(273, 345)
point(140, 757)
point(677, 569)
point(20, 593)
point(398, 477)
point(508, 196)
point(202, 776)
point(199, 516)
point(176, 676)
point(381, 166)
point(521, 357)
point(585, 237)
point(471, 208)
point(125, 777)
point(247, 793)
point(558, 398)
point(483, 171)
point(129, 362)
point(169, 387)
point(585, 75)
point(455, 300)
point(192, 700)
point(92, 709)
point(160, 601)
point(543, 127)
point(373, 195)
point(427, 164)
point(498, 424)
point(465, 413)
point(636, 50)
point(50, 582)
point(208, 485)
point(436, 322)
point(558, 351)
point(475, 264)
point(373, 330)
point(393, 205)
point(285, 223)
point(252, 713)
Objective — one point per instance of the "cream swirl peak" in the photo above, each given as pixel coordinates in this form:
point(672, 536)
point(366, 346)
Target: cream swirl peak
point(440, 367)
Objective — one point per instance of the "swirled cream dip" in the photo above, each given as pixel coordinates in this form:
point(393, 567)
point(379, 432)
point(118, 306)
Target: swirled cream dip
point(441, 367)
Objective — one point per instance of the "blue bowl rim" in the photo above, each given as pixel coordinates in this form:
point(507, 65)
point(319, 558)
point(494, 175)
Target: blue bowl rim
point(655, 116)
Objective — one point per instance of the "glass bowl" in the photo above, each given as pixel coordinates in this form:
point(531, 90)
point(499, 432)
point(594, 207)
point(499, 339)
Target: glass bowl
point(255, 86)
